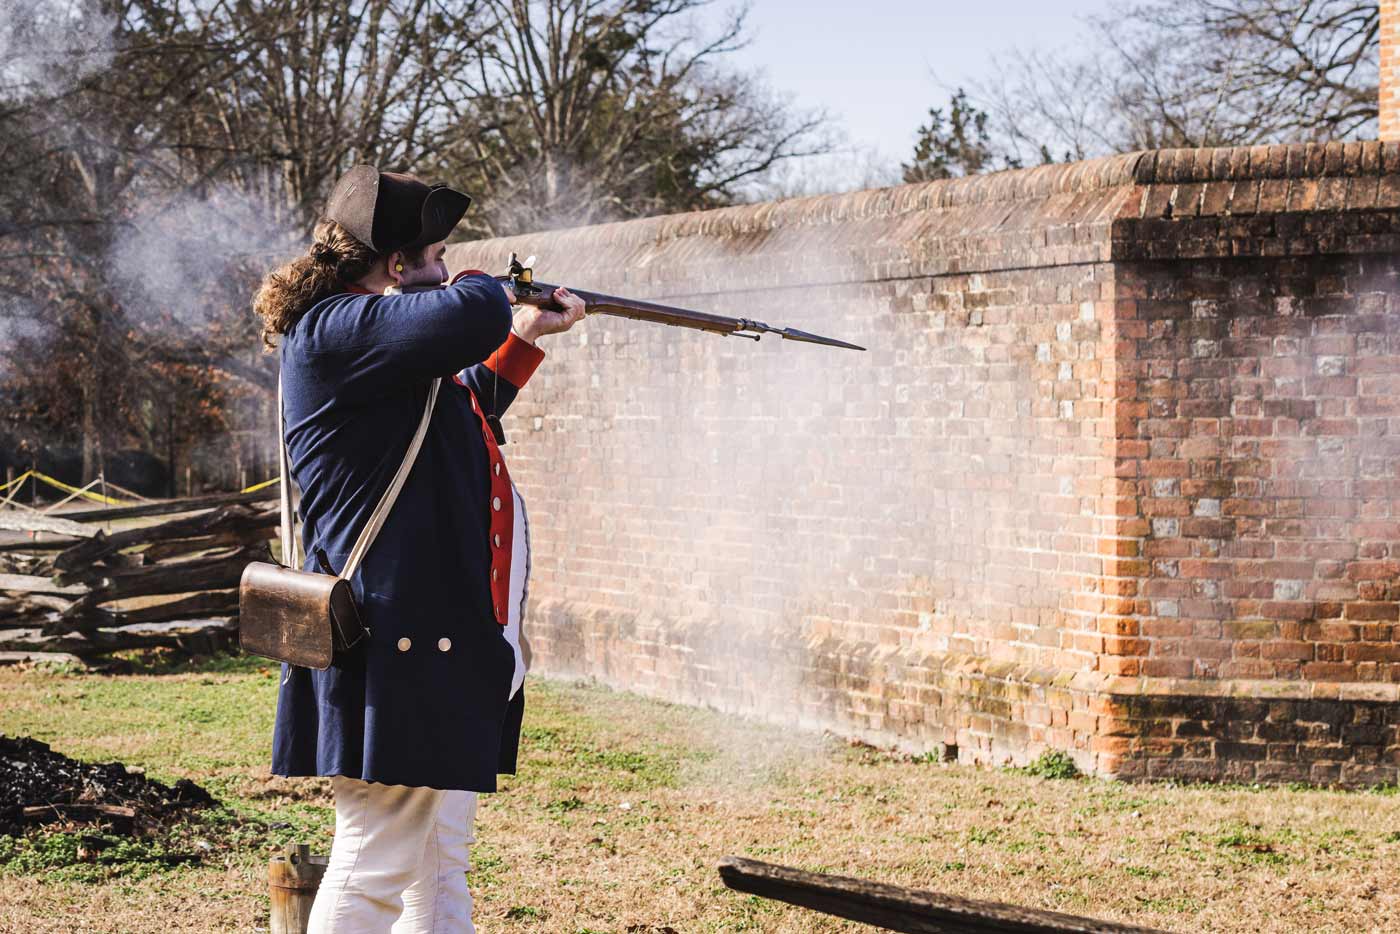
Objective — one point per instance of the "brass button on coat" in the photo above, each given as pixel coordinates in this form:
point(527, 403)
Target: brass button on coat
point(405, 644)
point(496, 503)
point(444, 644)
point(497, 539)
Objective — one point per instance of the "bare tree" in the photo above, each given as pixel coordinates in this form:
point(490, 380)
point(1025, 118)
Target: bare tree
point(596, 109)
point(84, 128)
point(320, 86)
point(1194, 73)
point(160, 154)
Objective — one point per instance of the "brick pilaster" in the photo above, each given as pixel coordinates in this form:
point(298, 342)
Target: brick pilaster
point(1390, 70)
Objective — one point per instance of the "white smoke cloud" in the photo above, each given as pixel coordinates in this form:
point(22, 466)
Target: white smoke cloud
point(187, 246)
point(48, 46)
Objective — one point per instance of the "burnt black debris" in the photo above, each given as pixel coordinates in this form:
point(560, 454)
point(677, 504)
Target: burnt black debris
point(39, 786)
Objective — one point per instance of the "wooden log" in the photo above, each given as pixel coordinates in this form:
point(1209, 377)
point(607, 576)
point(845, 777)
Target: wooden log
point(202, 636)
point(47, 602)
point(209, 603)
point(171, 506)
point(48, 544)
point(217, 572)
point(53, 658)
point(235, 518)
point(896, 908)
point(33, 610)
point(29, 583)
point(80, 617)
point(38, 522)
point(15, 604)
point(164, 551)
point(50, 812)
point(198, 605)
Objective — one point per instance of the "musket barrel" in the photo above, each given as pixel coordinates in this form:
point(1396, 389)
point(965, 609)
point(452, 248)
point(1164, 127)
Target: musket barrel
point(637, 310)
point(541, 294)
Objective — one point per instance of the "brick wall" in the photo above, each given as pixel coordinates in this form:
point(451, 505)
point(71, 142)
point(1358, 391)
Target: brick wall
point(1121, 442)
point(1265, 463)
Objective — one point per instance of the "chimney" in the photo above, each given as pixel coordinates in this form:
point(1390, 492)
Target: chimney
point(1390, 69)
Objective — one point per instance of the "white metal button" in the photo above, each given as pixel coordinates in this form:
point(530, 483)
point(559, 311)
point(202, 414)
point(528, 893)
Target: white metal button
point(496, 503)
point(493, 574)
point(444, 645)
point(498, 468)
point(405, 644)
point(497, 539)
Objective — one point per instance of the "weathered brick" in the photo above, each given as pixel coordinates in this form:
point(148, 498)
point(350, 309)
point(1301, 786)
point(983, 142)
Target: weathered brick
point(1153, 462)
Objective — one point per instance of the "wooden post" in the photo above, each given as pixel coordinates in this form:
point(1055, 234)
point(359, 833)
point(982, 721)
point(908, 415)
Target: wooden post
point(293, 878)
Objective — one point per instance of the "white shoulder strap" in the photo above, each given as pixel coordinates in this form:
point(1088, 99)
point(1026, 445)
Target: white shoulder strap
point(381, 511)
point(291, 548)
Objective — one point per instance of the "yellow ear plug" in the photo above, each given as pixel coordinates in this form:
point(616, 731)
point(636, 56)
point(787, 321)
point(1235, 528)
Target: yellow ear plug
point(398, 267)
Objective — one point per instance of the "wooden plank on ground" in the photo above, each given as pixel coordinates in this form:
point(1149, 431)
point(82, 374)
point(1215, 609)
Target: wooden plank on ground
point(896, 908)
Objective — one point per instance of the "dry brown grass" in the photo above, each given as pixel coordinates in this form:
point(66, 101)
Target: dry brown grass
point(624, 806)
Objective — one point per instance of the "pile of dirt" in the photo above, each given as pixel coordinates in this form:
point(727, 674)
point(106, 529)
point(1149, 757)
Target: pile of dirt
point(40, 786)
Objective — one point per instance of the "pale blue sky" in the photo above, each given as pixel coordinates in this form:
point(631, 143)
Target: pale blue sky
point(872, 64)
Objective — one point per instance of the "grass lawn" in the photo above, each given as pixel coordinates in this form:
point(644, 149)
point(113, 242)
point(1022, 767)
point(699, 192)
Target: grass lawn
point(623, 807)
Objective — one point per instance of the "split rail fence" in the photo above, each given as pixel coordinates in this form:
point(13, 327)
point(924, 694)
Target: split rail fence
point(76, 585)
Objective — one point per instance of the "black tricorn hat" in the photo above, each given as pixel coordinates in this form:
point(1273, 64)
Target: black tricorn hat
point(388, 211)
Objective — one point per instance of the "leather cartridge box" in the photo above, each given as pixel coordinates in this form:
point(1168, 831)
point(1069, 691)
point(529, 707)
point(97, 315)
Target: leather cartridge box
point(299, 617)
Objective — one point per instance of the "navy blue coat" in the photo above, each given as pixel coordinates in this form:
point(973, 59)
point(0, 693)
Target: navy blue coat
point(356, 370)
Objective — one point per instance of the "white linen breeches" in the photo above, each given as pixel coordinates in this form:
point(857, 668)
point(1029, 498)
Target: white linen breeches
point(399, 860)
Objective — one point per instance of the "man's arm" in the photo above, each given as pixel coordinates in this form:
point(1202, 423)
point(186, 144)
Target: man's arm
point(378, 341)
point(499, 378)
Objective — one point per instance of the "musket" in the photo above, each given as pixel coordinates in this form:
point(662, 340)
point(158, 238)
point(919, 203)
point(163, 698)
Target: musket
point(521, 280)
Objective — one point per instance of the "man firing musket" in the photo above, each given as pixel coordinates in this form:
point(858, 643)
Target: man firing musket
point(403, 663)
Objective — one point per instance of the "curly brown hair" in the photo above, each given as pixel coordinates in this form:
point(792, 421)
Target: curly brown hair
point(333, 261)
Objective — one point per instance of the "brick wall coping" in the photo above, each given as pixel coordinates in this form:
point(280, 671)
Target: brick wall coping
point(1159, 167)
point(1098, 210)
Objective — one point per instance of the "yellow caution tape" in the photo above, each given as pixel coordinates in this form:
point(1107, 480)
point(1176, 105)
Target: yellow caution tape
point(258, 486)
point(17, 480)
point(86, 494)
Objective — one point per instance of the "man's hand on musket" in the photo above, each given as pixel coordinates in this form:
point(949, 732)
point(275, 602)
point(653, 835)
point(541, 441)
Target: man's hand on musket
point(531, 322)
